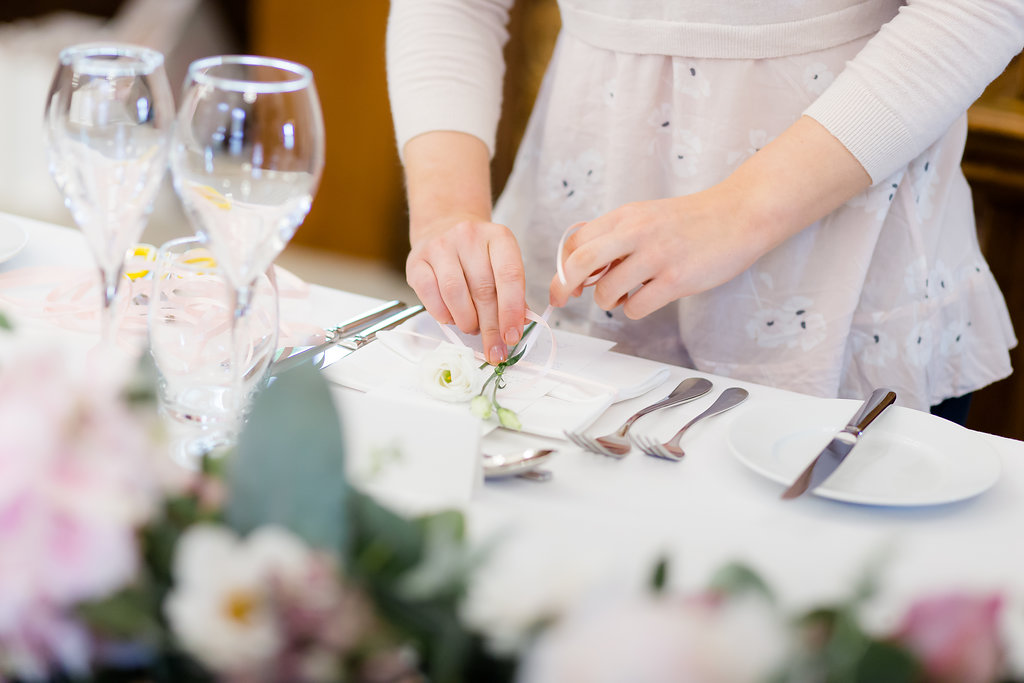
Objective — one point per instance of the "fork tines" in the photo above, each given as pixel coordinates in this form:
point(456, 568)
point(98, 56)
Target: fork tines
point(590, 444)
point(651, 447)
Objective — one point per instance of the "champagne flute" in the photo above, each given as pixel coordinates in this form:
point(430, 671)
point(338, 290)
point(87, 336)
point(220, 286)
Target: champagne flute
point(246, 160)
point(108, 121)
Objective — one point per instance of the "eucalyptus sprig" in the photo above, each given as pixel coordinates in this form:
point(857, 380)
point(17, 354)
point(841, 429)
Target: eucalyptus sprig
point(484, 406)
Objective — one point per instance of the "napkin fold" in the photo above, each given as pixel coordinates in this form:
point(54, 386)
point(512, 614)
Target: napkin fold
point(582, 382)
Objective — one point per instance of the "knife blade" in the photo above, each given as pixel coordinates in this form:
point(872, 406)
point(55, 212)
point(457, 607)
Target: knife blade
point(345, 346)
point(826, 462)
point(350, 326)
point(392, 312)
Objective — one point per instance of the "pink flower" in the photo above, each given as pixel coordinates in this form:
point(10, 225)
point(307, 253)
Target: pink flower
point(956, 637)
point(76, 480)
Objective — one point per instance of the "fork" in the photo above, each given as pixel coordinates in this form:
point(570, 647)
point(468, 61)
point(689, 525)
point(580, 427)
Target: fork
point(615, 444)
point(670, 450)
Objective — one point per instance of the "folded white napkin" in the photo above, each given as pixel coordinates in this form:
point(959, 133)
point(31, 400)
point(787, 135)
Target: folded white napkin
point(578, 386)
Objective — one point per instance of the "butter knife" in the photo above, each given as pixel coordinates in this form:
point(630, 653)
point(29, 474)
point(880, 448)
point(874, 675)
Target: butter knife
point(842, 443)
point(350, 326)
point(344, 347)
point(350, 334)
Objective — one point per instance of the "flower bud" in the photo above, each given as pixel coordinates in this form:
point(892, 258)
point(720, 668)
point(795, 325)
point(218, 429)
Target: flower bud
point(481, 407)
point(509, 419)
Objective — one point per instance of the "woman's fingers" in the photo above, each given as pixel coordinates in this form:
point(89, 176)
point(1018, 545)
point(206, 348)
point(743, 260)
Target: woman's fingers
point(472, 275)
point(475, 258)
point(423, 281)
point(510, 283)
point(624, 276)
point(648, 298)
point(588, 253)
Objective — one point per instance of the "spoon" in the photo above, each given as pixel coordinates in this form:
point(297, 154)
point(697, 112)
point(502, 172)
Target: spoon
point(498, 466)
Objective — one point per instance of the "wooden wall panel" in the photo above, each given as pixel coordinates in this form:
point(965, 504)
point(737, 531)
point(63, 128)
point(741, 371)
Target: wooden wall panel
point(360, 207)
point(994, 166)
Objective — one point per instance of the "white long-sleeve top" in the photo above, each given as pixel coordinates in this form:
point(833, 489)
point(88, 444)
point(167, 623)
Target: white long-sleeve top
point(927, 62)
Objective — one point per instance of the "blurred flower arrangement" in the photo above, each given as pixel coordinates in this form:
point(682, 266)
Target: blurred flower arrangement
point(116, 565)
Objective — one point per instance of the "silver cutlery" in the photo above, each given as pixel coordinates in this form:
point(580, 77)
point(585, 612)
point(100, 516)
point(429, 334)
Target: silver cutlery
point(339, 346)
point(525, 464)
point(288, 357)
point(826, 462)
point(615, 444)
point(670, 450)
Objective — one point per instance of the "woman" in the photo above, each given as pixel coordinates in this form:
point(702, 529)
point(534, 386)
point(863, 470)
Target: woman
point(775, 186)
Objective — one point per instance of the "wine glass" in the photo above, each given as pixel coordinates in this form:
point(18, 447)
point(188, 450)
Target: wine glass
point(108, 120)
point(191, 341)
point(246, 159)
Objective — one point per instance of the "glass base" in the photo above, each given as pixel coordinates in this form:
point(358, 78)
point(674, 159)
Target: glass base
point(194, 437)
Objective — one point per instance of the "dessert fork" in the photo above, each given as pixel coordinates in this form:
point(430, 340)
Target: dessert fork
point(670, 450)
point(615, 444)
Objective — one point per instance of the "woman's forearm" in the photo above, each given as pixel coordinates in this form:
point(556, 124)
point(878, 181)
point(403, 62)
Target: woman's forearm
point(796, 179)
point(448, 179)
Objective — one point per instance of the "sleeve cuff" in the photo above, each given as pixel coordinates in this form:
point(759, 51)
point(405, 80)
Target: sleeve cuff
point(870, 130)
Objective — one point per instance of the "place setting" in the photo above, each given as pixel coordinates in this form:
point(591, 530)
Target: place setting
point(901, 458)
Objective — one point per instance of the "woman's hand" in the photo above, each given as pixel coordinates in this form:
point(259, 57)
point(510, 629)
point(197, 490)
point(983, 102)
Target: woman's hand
point(465, 269)
point(658, 251)
point(469, 271)
point(661, 250)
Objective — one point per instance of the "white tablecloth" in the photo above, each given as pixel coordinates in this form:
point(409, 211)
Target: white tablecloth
point(602, 522)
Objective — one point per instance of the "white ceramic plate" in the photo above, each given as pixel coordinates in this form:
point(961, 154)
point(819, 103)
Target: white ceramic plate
point(12, 239)
point(905, 458)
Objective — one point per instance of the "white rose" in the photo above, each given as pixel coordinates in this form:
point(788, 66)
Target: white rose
point(450, 373)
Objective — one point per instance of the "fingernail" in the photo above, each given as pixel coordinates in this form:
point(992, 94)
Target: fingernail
point(497, 354)
point(511, 336)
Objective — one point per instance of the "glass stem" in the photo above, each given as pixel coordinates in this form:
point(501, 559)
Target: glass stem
point(109, 281)
point(241, 301)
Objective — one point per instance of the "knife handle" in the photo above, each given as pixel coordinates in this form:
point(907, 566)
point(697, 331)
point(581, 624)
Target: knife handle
point(364, 320)
point(879, 400)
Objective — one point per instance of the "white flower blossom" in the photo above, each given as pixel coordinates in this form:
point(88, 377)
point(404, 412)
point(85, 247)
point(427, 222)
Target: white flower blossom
point(221, 607)
point(662, 640)
point(450, 373)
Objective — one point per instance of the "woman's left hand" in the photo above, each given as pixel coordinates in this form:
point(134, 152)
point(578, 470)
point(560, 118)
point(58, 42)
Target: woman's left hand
point(660, 250)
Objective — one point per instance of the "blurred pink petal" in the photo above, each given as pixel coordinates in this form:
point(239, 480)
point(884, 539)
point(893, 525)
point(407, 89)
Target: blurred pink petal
point(956, 637)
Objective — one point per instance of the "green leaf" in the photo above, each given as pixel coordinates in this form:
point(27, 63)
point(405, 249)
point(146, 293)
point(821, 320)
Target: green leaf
point(884, 662)
point(736, 579)
point(416, 571)
point(446, 562)
point(289, 466)
point(125, 614)
point(5, 323)
point(383, 545)
point(660, 576)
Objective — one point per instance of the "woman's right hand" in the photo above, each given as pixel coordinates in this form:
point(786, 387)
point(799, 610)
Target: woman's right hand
point(468, 271)
point(465, 269)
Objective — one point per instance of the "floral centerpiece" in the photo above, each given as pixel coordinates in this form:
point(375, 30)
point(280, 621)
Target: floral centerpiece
point(264, 565)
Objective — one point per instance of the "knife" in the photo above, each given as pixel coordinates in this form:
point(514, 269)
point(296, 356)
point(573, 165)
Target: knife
point(345, 346)
point(842, 443)
point(358, 330)
point(350, 326)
